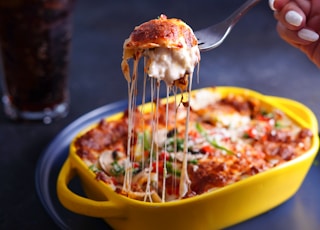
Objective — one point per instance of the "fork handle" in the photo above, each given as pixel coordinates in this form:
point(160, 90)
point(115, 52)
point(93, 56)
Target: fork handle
point(242, 10)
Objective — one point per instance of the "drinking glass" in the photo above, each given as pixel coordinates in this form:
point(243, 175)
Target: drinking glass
point(35, 38)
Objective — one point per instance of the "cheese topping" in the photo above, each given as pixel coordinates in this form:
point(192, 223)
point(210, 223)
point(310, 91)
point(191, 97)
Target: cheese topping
point(170, 65)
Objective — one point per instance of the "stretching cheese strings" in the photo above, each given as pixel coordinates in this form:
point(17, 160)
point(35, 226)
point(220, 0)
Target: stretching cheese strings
point(184, 179)
point(172, 61)
point(153, 159)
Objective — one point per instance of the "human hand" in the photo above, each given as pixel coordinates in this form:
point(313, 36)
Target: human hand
point(299, 25)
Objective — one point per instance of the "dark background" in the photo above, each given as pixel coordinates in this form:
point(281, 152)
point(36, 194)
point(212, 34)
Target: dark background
point(253, 56)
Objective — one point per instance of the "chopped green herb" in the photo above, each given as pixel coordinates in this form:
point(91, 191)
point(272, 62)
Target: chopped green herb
point(136, 167)
point(266, 114)
point(173, 143)
point(216, 145)
point(171, 170)
point(146, 140)
point(213, 143)
point(278, 125)
point(117, 169)
point(246, 136)
point(194, 161)
point(94, 168)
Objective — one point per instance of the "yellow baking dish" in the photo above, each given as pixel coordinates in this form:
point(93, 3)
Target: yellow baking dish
point(213, 210)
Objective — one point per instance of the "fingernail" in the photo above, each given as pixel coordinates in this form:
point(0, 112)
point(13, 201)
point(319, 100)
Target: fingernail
point(308, 35)
point(271, 5)
point(293, 18)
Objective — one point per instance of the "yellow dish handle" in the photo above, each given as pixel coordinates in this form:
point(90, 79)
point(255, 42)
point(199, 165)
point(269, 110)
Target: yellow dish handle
point(299, 110)
point(82, 205)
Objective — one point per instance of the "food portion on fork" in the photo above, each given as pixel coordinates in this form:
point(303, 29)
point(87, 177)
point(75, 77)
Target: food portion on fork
point(213, 36)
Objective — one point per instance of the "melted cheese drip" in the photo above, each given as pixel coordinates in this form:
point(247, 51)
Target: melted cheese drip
point(168, 65)
point(184, 179)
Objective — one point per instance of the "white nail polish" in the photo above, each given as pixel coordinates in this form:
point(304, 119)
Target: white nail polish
point(308, 35)
point(271, 5)
point(293, 18)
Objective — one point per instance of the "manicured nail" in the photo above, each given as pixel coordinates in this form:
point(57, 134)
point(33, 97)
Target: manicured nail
point(293, 18)
point(308, 35)
point(271, 5)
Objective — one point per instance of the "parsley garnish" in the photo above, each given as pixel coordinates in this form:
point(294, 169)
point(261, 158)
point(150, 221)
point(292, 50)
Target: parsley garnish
point(146, 141)
point(94, 168)
point(117, 169)
point(171, 170)
point(193, 162)
point(173, 143)
point(213, 142)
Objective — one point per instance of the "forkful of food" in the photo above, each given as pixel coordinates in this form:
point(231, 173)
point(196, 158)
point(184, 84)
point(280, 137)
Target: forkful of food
point(213, 36)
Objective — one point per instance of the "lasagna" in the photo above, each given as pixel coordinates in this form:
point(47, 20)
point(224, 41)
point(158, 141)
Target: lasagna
point(229, 138)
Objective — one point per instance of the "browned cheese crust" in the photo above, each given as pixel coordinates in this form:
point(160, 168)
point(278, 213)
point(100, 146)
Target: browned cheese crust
point(161, 32)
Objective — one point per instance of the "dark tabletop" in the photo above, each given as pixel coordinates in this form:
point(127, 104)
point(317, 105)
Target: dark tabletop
point(253, 56)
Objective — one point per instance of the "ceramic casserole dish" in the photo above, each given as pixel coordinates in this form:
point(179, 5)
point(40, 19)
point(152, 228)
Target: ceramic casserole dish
point(216, 209)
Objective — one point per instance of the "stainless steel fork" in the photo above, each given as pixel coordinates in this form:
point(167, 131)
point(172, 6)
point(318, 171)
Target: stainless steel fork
point(212, 36)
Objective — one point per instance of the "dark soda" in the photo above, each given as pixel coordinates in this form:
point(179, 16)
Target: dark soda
point(35, 38)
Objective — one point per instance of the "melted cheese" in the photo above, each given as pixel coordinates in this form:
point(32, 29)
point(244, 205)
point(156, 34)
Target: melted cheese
point(203, 98)
point(168, 59)
point(170, 65)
